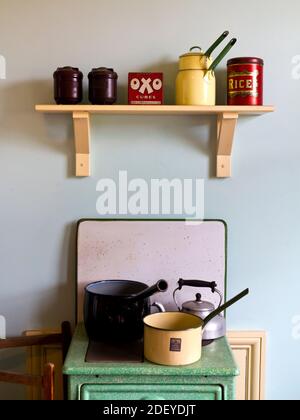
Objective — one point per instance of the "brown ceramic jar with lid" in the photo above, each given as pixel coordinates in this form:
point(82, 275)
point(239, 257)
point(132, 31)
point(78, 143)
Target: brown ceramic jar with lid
point(103, 86)
point(68, 86)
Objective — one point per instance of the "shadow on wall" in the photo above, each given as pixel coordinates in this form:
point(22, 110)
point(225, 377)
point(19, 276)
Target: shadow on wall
point(170, 71)
point(54, 303)
point(168, 68)
point(51, 307)
point(58, 304)
point(188, 132)
point(221, 77)
point(21, 125)
point(196, 133)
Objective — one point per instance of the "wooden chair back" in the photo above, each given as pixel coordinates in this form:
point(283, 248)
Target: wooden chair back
point(46, 380)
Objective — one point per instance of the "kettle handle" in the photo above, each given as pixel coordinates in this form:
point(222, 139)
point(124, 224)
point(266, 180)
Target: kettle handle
point(197, 283)
point(175, 299)
point(221, 297)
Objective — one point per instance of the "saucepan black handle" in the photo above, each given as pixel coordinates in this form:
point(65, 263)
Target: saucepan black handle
point(225, 306)
point(197, 283)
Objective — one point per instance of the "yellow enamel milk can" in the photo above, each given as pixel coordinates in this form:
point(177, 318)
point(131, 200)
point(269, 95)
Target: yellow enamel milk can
point(196, 81)
point(195, 84)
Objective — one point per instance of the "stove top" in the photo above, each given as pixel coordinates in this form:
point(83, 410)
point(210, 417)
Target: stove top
point(132, 352)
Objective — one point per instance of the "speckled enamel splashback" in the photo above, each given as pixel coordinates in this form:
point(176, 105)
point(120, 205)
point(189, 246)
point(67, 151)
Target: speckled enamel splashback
point(147, 251)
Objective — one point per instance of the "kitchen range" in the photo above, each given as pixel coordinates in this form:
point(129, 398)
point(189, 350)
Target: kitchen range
point(137, 331)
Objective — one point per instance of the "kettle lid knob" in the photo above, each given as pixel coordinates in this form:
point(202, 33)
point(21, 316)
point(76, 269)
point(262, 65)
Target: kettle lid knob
point(198, 297)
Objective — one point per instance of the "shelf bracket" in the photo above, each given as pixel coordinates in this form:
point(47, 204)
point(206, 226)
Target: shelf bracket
point(226, 128)
point(81, 122)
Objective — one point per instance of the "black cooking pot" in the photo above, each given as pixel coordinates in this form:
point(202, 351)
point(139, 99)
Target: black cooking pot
point(114, 309)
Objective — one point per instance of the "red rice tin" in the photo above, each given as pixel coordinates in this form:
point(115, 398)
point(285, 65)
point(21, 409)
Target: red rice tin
point(245, 81)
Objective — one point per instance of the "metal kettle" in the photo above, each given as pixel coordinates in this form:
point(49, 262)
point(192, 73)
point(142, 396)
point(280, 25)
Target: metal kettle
point(216, 328)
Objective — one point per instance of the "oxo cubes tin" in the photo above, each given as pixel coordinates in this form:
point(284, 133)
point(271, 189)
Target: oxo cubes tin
point(245, 81)
point(145, 89)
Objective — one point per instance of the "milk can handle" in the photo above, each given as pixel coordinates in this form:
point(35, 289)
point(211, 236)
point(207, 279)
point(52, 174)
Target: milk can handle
point(196, 47)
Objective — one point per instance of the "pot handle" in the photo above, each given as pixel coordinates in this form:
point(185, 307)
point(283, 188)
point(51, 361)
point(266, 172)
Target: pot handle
point(225, 306)
point(159, 306)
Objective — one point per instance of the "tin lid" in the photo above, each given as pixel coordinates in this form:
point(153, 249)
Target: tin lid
point(104, 72)
point(246, 60)
point(68, 71)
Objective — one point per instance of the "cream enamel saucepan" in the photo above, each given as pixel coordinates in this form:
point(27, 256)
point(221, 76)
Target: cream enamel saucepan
point(175, 338)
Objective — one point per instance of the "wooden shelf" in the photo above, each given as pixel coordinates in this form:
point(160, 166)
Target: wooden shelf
point(155, 109)
point(227, 120)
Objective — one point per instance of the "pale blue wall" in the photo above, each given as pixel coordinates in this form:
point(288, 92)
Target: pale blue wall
point(40, 199)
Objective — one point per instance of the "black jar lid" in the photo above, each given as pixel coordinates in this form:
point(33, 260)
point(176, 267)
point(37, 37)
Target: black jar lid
point(68, 71)
point(103, 72)
point(245, 60)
